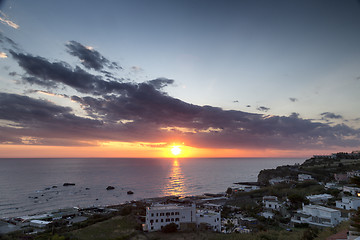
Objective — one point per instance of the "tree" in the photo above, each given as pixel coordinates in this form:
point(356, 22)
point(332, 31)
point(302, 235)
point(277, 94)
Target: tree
point(169, 228)
point(229, 191)
point(297, 200)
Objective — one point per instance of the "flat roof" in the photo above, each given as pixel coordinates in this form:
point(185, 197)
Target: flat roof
point(209, 213)
point(325, 195)
point(40, 222)
point(321, 208)
point(168, 207)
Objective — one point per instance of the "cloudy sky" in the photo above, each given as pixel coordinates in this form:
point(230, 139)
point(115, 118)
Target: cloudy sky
point(131, 78)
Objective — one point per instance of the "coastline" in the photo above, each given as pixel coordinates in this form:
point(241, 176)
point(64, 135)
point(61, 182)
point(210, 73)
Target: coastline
point(27, 188)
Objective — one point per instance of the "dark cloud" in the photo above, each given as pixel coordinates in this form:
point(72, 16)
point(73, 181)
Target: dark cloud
point(8, 41)
point(49, 74)
point(294, 115)
point(263, 109)
point(44, 122)
point(293, 99)
point(143, 112)
point(329, 115)
point(160, 83)
point(150, 118)
point(90, 58)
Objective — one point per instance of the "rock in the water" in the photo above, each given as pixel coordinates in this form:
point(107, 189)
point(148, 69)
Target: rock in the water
point(69, 184)
point(130, 192)
point(110, 188)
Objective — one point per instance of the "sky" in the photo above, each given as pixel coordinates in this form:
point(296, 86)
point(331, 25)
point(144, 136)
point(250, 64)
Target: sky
point(132, 78)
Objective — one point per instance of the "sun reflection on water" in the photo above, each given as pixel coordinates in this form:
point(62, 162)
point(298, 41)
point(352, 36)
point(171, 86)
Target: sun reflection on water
point(176, 183)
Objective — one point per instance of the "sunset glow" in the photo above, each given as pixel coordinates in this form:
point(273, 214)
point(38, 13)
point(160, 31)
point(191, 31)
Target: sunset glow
point(175, 150)
point(260, 94)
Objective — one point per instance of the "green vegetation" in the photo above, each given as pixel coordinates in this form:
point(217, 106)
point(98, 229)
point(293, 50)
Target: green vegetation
point(115, 228)
point(268, 235)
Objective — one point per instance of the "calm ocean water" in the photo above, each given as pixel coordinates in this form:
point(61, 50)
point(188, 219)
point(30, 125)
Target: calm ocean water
point(27, 186)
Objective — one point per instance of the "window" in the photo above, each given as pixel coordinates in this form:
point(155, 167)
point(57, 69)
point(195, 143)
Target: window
point(152, 214)
point(162, 220)
point(156, 220)
point(162, 214)
point(172, 213)
point(167, 214)
point(177, 219)
point(152, 228)
point(151, 221)
point(172, 219)
point(168, 220)
point(157, 214)
point(177, 213)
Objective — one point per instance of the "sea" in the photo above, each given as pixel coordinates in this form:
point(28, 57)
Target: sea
point(34, 185)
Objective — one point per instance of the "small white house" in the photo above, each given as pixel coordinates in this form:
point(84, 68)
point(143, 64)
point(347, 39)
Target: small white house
point(333, 185)
point(353, 174)
point(246, 188)
point(39, 223)
point(211, 218)
point(318, 216)
point(319, 198)
point(267, 214)
point(304, 177)
point(275, 181)
point(271, 202)
point(352, 190)
point(348, 203)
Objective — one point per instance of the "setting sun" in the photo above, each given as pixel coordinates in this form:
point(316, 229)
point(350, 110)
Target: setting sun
point(175, 150)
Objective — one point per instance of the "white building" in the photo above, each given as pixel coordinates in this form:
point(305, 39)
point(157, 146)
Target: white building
point(211, 218)
point(318, 216)
point(304, 177)
point(353, 174)
point(39, 223)
point(271, 202)
point(332, 185)
point(267, 214)
point(212, 206)
point(348, 203)
point(158, 216)
point(275, 181)
point(319, 198)
point(246, 188)
point(353, 190)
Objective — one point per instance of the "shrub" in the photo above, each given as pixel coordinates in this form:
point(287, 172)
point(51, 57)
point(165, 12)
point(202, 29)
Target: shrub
point(169, 228)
